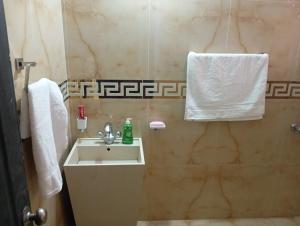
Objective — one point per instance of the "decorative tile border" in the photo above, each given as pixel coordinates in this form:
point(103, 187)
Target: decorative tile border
point(283, 90)
point(64, 89)
point(136, 89)
point(163, 89)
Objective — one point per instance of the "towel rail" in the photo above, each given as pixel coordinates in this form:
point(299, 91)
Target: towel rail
point(21, 65)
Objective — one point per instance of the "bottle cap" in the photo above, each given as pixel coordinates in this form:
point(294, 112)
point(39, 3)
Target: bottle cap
point(81, 113)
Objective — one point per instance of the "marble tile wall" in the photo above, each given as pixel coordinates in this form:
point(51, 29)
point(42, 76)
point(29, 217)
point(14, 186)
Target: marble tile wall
point(35, 32)
point(194, 170)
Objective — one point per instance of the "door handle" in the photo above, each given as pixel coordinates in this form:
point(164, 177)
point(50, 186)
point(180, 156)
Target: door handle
point(39, 217)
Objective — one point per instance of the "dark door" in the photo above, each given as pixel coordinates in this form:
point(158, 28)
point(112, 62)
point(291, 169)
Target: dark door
point(13, 188)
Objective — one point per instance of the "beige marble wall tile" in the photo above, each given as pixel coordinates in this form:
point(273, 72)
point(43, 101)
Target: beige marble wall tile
point(177, 27)
point(289, 142)
point(222, 191)
point(270, 140)
point(169, 187)
point(269, 26)
point(194, 169)
point(247, 189)
point(188, 143)
point(35, 32)
point(106, 39)
point(173, 145)
point(266, 141)
point(287, 197)
point(216, 145)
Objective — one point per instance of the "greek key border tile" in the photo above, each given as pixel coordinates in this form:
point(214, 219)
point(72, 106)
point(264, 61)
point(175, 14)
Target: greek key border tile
point(64, 89)
point(157, 89)
point(283, 90)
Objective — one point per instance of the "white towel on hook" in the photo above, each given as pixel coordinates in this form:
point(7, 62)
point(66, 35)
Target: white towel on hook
point(226, 87)
point(49, 123)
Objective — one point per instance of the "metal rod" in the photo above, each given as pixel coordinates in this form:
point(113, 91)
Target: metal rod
point(21, 65)
point(27, 72)
point(295, 127)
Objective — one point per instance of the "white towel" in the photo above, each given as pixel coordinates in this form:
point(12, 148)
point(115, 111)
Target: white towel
point(226, 87)
point(49, 123)
point(24, 116)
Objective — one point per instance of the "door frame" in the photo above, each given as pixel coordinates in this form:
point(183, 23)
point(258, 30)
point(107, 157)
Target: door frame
point(13, 186)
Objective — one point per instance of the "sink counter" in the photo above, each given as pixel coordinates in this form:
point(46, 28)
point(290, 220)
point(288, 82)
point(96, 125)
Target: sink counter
point(93, 151)
point(104, 181)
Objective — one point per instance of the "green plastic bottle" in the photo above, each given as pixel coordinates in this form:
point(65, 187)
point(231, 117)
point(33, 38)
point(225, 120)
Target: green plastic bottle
point(127, 137)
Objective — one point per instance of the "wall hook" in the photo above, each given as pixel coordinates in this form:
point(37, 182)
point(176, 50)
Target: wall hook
point(295, 127)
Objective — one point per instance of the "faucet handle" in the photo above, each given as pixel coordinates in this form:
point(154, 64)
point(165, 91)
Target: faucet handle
point(100, 134)
point(108, 127)
point(118, 134)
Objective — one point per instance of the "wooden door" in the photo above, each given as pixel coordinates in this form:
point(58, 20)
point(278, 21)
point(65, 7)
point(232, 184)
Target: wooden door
point(13, 188)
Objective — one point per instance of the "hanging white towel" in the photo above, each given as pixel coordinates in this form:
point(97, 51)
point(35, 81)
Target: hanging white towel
point(49, 123)
point(226, 87)
point(24, 116)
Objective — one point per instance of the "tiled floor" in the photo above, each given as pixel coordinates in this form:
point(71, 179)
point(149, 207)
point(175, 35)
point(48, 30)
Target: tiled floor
point(295, 221)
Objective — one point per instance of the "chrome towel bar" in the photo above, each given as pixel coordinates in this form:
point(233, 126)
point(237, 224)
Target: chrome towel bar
point(20, 65)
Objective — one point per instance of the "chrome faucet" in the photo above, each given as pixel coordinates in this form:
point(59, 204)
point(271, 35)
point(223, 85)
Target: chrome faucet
point(108, 135)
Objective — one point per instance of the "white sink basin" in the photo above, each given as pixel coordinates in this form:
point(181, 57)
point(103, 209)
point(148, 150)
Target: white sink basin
point(104, 181)
point(93, 151)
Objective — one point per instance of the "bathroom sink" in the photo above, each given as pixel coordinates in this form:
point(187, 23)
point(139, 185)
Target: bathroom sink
point(104, 181)
point(93, 151)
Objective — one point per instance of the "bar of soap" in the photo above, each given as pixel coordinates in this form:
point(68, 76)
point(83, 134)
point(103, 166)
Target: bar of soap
point(157, 125)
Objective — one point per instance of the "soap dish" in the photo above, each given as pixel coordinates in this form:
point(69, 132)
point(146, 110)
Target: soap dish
point(157, 125)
